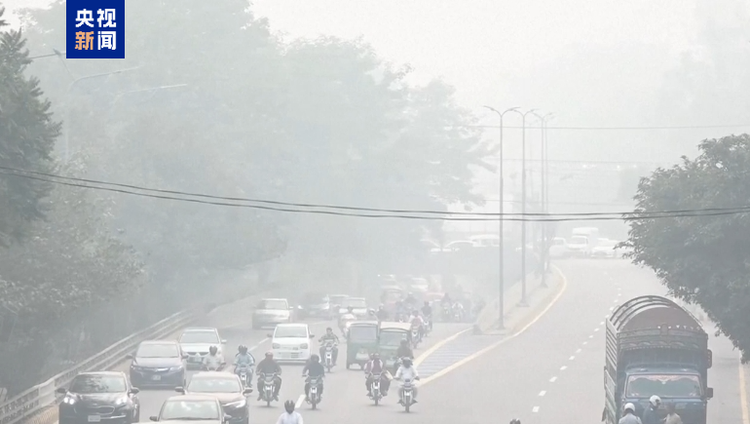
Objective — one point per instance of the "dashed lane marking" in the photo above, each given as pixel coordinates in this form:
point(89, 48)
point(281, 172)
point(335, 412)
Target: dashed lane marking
point(553, 379)
point(535, 409)
point(542, 393)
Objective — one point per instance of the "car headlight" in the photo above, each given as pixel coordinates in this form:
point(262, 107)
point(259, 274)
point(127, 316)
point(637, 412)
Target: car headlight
point(121, 401)
point(177, 368)
point(238, 404)
point(275, 346)
point(69, 400)
point(304, 346)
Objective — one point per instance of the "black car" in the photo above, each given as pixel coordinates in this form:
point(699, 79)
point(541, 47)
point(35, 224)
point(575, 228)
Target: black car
point(315, 305)
point(99, 397)
point(158, 363)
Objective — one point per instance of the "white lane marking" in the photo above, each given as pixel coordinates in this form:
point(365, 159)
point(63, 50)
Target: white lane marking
point(601, 323)
point(542, 393)
point(563, 368)
point(611, 308)
point(615, 301)
point(585, 343)
point(591, 336)
point(299, 401)
point(618, 289)
point(553, 379)
point(577, 351)
point(569, 359)
point(261, 343)
point(535, 409)
point(606, 316)
point(595, 330)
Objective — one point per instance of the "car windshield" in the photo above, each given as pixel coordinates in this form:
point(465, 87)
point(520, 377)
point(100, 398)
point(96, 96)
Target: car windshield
point(290, 331)
point(363, 333)
point(607, 243)
point(87, 384)
point(273, 304)
point(391, 338)
point(579, 240)
point(214, 385)
point(189, 410)
point(207, 337)
point(557, 242)
point(337, 299)
point(664, 386)
point(150, 350)
point(355, 303)
point(315, 298)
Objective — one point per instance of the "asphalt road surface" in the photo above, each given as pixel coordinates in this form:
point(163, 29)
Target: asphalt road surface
point(553, 372)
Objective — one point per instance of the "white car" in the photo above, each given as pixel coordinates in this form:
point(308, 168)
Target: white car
point(291, 343)
point(605, 249)
point(578, 246)
point(559, 248)
point(196, 341)
point(358, 304)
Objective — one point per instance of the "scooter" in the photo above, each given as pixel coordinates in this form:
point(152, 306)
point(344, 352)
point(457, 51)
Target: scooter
point(376, 395)
point(314, 397)
point(329, 355)
point(268, 388)
point(407, 395)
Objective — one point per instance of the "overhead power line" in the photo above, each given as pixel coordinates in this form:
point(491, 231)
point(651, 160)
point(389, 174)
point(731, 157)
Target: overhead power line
point(359, 211)
point(676, 127)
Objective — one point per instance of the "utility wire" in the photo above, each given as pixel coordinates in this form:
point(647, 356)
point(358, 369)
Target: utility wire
point(676, 127)
point(390, 213)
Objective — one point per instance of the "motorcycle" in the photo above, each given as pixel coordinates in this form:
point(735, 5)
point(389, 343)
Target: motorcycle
point(447, 312)
point(268, 387)
point(407, 395)
point(415, 338)
point(246, 376)
point(458, 314)
point(428, 324)
point(314, 397)
point(214, 366)
point(376, 395)
point(328, 361)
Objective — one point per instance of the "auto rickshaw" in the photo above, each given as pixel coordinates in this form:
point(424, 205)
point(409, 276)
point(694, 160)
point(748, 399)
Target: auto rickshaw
point(361, 341)
point(391, 335)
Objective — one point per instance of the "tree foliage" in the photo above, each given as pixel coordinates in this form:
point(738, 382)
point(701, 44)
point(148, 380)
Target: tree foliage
point(702, 259)
point(27, 135)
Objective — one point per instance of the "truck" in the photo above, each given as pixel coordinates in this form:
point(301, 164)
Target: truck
point(582, 241)
point(655, 347)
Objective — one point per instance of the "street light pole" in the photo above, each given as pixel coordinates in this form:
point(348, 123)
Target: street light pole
point(501, 208)
point(67, 104)
point(523, 301)
point(543, 252)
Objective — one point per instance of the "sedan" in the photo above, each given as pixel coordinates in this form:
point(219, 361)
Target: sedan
point(270, 312)
point(99, 397)
point(227, 388)
point(195, 343)
point(158, 363)
point(192, 409)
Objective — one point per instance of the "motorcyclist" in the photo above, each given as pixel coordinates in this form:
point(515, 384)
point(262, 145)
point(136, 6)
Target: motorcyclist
point(400, 309)
point(630, 417)
point(446, 300)
point(458, 307)
point(313, 369)
point(269, 366)
point(347, 317)
point(376, 368)
point(404, 350)
point(410, 300)
point(651, 414)
point(382, 314)
point(329, 337)
point(290, 416)
point(243, 360)
point(427, 313)
point(213, 361)
point(407, 371)
point(418, 323)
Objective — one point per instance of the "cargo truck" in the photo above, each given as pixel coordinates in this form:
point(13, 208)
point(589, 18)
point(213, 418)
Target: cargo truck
point(655, 347)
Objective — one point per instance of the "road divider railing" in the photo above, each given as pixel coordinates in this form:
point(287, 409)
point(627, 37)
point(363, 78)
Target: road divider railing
point(19, 408)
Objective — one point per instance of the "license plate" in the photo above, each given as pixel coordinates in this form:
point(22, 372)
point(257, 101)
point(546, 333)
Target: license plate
point(195, 359)
point(95, 418)
point(156, 377)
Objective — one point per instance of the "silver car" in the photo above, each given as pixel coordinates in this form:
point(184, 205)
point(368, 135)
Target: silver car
point(196, 341)
point(272, 311)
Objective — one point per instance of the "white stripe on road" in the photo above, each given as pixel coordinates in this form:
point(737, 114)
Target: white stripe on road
point(299, 401)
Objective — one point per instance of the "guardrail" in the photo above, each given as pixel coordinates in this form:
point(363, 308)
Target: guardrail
point(41, 396)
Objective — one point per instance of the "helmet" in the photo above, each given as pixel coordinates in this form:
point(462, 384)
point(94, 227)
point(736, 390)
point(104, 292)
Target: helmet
point(329, 329)
point(269, 355)
point(375, 355)
point(655, 400)
point(314, 358)
point(213, 350)
point(381, 306)
point(515, 421)
point(629, 407)
point(243, 349)
point(404, 342)
point(289, 406)
point(406, 362)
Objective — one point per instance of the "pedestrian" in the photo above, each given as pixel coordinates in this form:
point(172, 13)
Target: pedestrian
point(672, 417)
point(630, 417)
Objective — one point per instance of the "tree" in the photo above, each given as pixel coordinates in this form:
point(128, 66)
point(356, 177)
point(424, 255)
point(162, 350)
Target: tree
point(27, 135)
point(702, 259)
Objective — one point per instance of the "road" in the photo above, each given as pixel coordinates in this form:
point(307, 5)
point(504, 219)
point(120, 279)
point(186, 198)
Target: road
point(552, 373)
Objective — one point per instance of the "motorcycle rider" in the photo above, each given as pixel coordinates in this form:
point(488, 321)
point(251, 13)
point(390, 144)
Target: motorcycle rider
point(458, 307)
point(244, 360)
point(651, 414)
point(630, 417)
point(382, 314)
point(329, 336)
point(376, 368)
point(290, 416)
point(418, 323)
point(269, 366)
point(407, 371)
point(314, 369)
point(427, 312)
point(403, 351)
point(410, 300)
point(347, 317)
point(213, 361)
